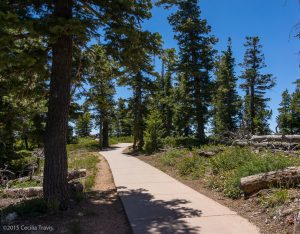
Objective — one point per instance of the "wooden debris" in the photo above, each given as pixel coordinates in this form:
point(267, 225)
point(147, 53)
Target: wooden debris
point(287, 177)
point(24, 179)
point(23, 192)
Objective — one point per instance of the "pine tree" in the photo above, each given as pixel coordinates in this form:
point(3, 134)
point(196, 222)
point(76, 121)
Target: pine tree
point(61, 25)
point(226, 102)
point(84, 123)
point(154, 132)
point(121, 122)
point(166, 91)
point(295, 109)
point(101, 72)
point(196, 60)
point(284, 119)
point(139, 71)
point(255, 85)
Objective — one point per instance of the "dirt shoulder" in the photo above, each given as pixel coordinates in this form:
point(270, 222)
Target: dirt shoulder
point(267, 222)
point(100, 211)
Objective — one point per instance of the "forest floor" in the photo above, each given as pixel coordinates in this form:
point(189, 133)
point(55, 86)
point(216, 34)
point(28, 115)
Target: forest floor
point(98, 210)
point(276, 218)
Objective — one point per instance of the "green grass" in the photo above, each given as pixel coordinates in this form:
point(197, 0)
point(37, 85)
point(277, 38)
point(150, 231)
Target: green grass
point(86, 143)
point(30, 208)
point(25, 184)
point(88, 161)
point(224, 171)
point(116, 140)
point(276, 198)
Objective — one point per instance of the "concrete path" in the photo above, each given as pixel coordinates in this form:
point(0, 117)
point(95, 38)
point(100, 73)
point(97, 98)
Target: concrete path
point(157, 203)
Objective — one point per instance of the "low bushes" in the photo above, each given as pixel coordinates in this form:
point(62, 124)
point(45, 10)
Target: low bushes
point(224, 171)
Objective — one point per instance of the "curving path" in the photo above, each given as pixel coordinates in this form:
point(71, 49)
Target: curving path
point(157, 203)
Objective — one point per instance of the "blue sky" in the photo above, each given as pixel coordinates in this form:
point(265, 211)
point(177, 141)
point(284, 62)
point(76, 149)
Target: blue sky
point(274, 21)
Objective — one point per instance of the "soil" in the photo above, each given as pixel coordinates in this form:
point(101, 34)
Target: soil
point(101, 211)
point(269, 221)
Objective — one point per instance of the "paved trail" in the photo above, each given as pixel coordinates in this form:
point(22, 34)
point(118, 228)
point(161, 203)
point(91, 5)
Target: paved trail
point(157, 203)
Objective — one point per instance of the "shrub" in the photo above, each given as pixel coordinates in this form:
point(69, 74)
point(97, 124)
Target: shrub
point(170, 157)
point(233, 164)
point(230, 159)
point(154, 132)
point(192, 165)
point(187, 142)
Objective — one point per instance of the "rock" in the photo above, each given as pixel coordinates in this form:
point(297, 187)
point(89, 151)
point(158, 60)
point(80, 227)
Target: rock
point(290, 220)
point(11, 217)
point(75, 187)
point(76, 174)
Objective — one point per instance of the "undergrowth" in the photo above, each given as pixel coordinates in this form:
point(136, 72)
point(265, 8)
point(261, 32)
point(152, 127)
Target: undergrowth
point(224, 171)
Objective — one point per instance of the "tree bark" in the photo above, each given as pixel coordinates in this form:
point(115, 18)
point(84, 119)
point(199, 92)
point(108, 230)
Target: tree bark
point(286, 177)
point(105, 129)
point(55, 188)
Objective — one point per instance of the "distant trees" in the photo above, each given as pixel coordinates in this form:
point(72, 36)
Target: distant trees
point(295, 109)
point(195, 62)
point(122, 123)
point(165, 90)
point(84, 125)
point(101, 73)
point(226, 101)
point(288, 119)
point(255, 85)
point(284, 119)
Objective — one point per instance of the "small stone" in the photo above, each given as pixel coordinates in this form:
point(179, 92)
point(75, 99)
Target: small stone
point(11, 217)
point(290, 219)
point(266, 221)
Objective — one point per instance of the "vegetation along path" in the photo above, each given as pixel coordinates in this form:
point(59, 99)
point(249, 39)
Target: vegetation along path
point(157, 203)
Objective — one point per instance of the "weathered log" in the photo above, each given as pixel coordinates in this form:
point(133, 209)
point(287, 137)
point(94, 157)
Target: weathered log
point(274, 144)
point(76, 174)
point(23, 179)
point(23, 192)
point(207, 154)
point(283, 138)
point(287, 177)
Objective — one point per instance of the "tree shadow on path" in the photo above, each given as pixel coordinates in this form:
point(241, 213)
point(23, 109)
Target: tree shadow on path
point(148, 215)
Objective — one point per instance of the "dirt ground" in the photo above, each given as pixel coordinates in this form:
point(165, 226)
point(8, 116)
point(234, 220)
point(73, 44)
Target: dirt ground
point(100, 212)
point(248, 208)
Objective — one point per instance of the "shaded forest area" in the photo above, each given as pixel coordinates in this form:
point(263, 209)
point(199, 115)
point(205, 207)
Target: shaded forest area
point(57, 86)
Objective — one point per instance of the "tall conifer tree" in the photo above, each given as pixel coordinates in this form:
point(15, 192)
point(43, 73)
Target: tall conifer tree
point(226, 102)
point(284, 119)
point(196, 60)
point(255, 85)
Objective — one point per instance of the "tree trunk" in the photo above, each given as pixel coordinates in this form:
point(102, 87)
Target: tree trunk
point(286, 177)
point(56, 169)
point(252, 106)
point(105, 129)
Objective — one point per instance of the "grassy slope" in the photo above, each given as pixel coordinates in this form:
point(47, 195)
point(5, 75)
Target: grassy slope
point(223, 171)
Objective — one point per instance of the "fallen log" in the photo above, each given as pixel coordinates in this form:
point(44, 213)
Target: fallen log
point(24, 179)
point(287, 177)
point(23, 192)
point(76, 174)
point(283, 138)
point(274, 144)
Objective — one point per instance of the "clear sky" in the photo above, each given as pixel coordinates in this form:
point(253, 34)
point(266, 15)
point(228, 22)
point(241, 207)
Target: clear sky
point(274, 21)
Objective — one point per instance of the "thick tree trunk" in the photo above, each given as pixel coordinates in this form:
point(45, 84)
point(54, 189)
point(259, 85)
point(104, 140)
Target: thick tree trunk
point(286, 177)
point(55, 171)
